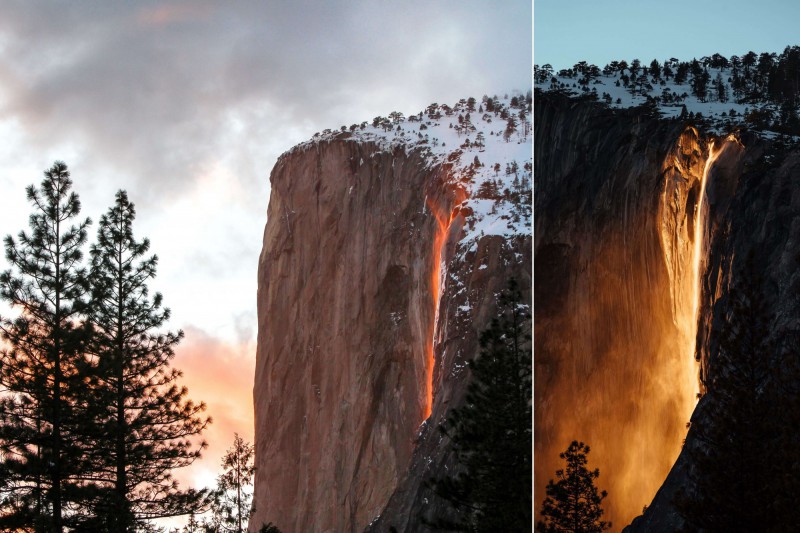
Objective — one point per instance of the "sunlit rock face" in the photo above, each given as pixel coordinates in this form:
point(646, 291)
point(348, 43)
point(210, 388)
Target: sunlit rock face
point(347, 305)
point(344, 309)
point(615, 208)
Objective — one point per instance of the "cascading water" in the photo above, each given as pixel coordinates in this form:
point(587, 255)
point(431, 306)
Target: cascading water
point(443, 225)
point(700, 241)
point(696, 259)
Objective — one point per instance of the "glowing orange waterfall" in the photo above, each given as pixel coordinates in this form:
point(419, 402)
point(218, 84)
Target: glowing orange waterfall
point(622, 299)
point(698, 228)
point(697, 256)
point(443, 223)
point(715, 149)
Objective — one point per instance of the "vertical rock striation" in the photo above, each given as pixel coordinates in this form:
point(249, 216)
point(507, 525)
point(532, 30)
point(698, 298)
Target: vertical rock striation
point(344, 308)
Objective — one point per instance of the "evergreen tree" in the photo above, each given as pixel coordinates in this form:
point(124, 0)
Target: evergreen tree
point(233, 501)
point(491, 433)
point(699, 83)
point(39, 370)
point(720, 88)
point(573, 503)
point(655, 69)
point(145, 422)
point(511, 127)
point(682, 72)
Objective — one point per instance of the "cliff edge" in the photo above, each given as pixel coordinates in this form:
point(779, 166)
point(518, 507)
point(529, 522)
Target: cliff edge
point(380, 265)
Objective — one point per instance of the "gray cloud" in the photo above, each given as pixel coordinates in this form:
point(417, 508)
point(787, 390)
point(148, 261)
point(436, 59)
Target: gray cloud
point(147, 89)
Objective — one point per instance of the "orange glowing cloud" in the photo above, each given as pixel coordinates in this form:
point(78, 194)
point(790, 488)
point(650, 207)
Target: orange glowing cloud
point(220, 374)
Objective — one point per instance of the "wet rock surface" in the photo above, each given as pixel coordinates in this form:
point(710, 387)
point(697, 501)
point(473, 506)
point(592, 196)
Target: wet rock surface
point(613, 239)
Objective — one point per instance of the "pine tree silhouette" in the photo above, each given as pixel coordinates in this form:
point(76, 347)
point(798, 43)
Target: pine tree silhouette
point(491, 433)
point(143, 421)
point(39, 370)
point(573, 503)
point(232, 501)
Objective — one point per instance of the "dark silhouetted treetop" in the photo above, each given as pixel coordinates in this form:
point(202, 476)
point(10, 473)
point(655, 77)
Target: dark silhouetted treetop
point(41, 444)
point(573, 502)
point(145, 425)
point(232, 504)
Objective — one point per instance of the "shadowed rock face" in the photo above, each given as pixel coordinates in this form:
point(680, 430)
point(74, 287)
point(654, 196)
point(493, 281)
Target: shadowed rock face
point(346, 317)
point(617, 206)
point(615, 215)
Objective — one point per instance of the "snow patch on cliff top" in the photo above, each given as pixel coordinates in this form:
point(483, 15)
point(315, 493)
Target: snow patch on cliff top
point(487, 143)
point(758, 92)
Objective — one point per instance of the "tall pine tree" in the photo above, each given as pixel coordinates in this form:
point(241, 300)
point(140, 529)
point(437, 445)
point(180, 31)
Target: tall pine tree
point(39, 370)
point(145, 425)
point(233, 500)
point(491, 433)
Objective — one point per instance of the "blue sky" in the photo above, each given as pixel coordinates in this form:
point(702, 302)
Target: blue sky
point(565, 32)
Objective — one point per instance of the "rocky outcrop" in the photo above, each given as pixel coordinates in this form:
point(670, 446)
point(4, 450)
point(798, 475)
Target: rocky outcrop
point(346, 306)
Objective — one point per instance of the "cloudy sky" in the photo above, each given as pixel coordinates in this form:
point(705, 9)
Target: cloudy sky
point(566, 32)
point(187, 105)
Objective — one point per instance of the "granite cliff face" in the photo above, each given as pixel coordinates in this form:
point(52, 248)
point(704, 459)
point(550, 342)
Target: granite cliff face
point(338, 403)
point(633, 271)
point(375, 277)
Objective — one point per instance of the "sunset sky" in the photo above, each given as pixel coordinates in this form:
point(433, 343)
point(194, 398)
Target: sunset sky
point(187, 106)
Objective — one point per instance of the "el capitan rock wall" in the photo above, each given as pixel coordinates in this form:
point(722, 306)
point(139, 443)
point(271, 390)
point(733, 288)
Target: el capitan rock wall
point(344, 306)
point(384, 252)
point(346, 314)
